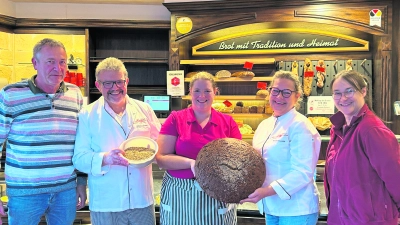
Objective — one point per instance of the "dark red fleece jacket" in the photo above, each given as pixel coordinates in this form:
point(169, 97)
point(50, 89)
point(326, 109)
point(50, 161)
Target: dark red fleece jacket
point(362, 173)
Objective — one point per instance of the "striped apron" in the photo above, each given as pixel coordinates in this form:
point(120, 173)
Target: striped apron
point(184, 203)
point(137, 216)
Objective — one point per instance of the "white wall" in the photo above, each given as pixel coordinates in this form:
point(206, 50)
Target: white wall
point(91, 11)
point(86, 11)
point(7, 8)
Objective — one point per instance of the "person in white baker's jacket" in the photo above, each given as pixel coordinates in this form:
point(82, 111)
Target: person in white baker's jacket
point(290, 146)
point(119, 194)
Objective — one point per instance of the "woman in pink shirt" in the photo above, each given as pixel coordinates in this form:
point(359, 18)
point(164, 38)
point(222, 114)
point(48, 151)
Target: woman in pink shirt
point(181, 137)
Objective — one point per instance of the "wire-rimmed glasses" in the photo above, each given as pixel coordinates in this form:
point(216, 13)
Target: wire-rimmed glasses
point(347, 93)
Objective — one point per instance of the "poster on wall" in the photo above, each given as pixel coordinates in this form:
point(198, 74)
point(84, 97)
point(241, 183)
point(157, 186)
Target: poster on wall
point(176, 83)
point(320, 105)
point(375, 17)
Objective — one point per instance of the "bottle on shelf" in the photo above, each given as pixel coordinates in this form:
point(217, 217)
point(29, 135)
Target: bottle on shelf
point(67, 77)
point(80, 82)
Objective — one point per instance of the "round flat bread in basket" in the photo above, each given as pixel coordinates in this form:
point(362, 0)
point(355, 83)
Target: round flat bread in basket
point(229, 169)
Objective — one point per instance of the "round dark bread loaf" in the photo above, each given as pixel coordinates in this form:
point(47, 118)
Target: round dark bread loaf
point(229, 169)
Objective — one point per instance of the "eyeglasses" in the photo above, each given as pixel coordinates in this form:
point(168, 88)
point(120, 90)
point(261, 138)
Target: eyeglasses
point(110, 84)
point(347, 93)
point(286, 93)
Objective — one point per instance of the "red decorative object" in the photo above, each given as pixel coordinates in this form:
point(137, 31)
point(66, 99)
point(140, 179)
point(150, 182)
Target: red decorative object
point(175, 81)
point(309, 74)
point(262, 85)
point(320, 69)
point(248, 65)
point(227, 103)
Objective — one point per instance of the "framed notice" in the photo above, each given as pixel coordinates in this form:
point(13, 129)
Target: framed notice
point(176, 83)
point(320, 105)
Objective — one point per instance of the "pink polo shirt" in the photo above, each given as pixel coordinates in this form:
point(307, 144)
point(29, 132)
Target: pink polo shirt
point(191, 137)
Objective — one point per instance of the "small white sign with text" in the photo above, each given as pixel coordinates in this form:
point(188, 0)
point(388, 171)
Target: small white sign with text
point(176, 83)
point(320, 105)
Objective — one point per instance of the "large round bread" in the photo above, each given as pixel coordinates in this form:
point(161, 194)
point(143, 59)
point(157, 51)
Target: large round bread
point(229, 169)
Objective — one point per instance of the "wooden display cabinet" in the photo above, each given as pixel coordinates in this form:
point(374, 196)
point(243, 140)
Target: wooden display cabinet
point(143, 51)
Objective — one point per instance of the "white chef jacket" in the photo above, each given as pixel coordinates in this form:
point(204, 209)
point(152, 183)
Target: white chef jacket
point(114, 188)
point(290, 146)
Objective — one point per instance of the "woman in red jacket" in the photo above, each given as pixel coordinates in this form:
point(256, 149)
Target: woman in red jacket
point(362, 174)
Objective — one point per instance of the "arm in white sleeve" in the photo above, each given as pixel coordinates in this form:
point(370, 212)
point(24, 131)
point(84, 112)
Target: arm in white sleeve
point(85, 159)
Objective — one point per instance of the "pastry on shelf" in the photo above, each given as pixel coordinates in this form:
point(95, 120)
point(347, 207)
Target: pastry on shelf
point(226, 110)
point(260, 109)
point(349, 65)
point(308, 76)
point(321, 123)
point(237, 109)
point(239, 103)
point(223, 74)
point(253, 109)
point(245, 109)
point(320, 73)
point(262, 93)
point(243, 74)
point(295, 67)
point(268, 108)
point(218, 106)
point(246, 129)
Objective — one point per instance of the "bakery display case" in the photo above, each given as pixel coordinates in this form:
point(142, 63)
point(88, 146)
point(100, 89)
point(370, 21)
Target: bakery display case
point(238, 95)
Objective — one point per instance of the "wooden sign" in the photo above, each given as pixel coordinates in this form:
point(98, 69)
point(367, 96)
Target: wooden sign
point(282, 40)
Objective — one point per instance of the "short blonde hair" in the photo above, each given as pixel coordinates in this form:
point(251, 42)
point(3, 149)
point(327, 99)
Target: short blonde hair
point(281, 74)
point(111, 64)
point(203, 75)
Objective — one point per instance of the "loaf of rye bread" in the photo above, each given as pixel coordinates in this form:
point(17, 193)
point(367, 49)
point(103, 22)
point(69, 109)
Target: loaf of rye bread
point(229, 169)
point(237, 109)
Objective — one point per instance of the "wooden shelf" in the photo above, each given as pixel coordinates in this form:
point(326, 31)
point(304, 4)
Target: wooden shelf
point(134, 60)
point(238, 79)
point(230, 97)
point(249, 115)
point(226, 61)
point(247, 136)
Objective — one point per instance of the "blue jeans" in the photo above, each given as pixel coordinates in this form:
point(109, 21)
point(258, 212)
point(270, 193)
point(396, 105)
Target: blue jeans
point(310, 219)
point(59, 208)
